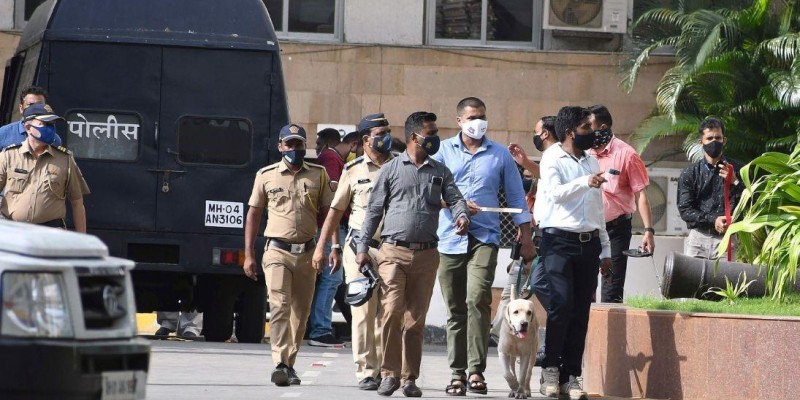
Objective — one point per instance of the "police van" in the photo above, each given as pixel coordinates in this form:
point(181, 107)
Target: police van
point(171, 107)
point(68, 321)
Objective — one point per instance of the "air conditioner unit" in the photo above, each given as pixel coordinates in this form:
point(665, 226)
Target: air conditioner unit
point(663, 196)
point(609, 16)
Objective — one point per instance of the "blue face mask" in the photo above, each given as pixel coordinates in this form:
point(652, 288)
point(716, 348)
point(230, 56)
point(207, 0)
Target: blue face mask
point(294, 157)
point(382, 144)
point(430, 144)
point(47, 133)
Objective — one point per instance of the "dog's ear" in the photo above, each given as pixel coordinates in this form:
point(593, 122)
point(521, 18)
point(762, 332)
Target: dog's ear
point(513, 291)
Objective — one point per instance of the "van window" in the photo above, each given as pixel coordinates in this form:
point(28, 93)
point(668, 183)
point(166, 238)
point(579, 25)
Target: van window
point(102, 135)
point(26, 77)
point(219, 141)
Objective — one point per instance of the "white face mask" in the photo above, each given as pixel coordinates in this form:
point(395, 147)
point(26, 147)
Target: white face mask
point(475, 128)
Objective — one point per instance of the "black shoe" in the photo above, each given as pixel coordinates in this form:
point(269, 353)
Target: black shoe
point(293, 378)
point(493, 339)
point(410, 389)
point(325, 341)
point(539, 359)
point(163, 332)
point(368, 383)
point(280, 376)
point(539, 356)
point(189, 335)
point(388, 386)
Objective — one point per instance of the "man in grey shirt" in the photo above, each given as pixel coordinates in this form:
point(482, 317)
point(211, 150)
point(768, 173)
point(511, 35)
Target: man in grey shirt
point(409, 190)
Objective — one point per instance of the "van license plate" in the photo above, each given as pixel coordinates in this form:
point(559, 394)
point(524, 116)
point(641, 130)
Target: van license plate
point(124, 385)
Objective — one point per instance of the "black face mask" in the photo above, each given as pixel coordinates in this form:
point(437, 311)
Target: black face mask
point(602, 137)
point(584, 142)
point(538, 142)
point(713, 149)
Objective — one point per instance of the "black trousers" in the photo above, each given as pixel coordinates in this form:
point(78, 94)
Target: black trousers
point(571, 268)
point(619, 234)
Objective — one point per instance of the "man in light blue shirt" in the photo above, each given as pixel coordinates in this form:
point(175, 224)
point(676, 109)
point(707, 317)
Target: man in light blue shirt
point(14, 133)
point(481, 167)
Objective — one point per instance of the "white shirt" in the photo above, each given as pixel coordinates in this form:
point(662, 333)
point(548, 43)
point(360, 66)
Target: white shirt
point(564, 199)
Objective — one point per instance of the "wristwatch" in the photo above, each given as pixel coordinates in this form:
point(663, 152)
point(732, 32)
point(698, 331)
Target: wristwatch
point(650, 229)
point(337, 247)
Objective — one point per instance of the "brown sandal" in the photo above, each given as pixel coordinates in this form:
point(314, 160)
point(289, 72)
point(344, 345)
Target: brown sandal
point(477, 385)
point(457, 387)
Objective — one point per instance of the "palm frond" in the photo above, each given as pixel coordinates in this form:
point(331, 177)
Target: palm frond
point(660, 126)
point(784, 48)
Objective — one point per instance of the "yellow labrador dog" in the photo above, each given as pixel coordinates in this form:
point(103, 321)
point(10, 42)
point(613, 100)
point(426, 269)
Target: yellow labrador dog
point(517, 345)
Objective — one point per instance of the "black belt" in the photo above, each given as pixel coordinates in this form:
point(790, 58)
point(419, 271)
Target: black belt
point(371, 242)
point(616, 221)
point(412, 245)
point(294, 248)
point(582, 237)
point(56, 223)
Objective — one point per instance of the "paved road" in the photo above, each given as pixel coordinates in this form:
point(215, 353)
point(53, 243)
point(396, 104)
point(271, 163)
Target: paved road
point(220, 371)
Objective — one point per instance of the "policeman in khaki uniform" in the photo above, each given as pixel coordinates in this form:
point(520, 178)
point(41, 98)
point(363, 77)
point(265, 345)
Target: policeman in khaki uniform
point(294, 193)
point(37, 177)
point(353, 191)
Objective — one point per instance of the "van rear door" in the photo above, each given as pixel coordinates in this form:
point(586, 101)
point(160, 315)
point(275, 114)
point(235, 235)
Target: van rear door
point(111, 104)
point(212, 139)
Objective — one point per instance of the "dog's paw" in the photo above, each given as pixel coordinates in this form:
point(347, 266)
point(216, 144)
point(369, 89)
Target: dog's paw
point(519, 394)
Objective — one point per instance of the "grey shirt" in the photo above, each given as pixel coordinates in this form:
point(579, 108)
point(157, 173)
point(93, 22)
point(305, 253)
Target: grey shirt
point(411, 198)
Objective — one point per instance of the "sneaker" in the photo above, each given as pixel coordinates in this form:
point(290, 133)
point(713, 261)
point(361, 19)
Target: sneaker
point(325, 341)
point(280, 376)
point(368, 383)
point(163, 332)
point(189, 335)
point(293, 378)
point(549, 382)
point(573, 389)
point(388, 386)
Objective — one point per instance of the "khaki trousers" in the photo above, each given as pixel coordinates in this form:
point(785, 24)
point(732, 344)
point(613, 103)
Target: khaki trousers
point(407, 283)
point(366, 331)
point(290, 282)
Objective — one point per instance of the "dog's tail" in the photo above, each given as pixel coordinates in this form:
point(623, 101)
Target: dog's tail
point(513, 291)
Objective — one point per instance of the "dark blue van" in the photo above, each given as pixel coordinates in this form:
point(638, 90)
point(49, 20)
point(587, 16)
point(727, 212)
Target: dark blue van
point(171, 107)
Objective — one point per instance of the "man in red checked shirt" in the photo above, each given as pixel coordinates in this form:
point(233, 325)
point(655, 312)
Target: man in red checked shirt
point(622, 194)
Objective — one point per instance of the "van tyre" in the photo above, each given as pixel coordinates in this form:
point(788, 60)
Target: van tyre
point(220, 293)
point(251, 313)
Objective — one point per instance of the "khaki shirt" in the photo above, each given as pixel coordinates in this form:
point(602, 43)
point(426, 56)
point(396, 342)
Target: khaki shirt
point(292, 200)
point(35, 188)
point(354, 189)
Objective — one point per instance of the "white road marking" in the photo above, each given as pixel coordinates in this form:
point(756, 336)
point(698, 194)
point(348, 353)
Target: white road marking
point(330, 355)
point(291, 394)
point(311, 373)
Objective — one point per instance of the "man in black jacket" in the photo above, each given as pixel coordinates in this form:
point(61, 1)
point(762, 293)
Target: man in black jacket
point(701, 192)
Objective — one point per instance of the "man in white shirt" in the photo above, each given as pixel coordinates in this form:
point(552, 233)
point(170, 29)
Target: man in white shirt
point(569, 209)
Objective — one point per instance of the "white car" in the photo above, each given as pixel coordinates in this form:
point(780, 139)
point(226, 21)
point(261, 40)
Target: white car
point(68, 324)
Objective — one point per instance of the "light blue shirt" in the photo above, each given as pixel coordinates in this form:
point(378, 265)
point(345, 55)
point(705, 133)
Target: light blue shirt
point(14, 133)
point(479, 177)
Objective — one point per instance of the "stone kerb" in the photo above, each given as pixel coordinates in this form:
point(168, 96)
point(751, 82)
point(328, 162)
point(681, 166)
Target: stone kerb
point(670, 355)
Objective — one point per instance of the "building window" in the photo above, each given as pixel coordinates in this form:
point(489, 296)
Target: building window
point(23, 9)
point(306, 19)
point(512, 23)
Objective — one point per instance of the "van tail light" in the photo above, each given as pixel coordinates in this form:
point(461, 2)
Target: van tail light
point(227, 257)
